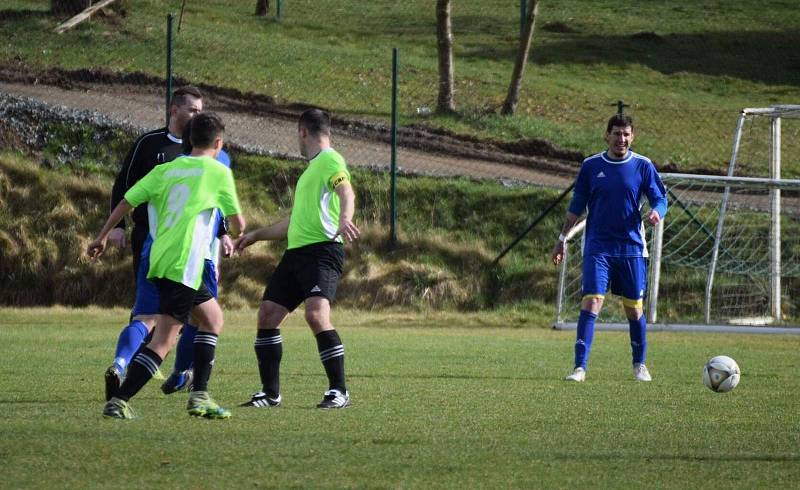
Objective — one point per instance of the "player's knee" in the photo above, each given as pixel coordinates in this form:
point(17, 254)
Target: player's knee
point(317, 320)
point(269, 316)
point(592, 303)
point(633, 313)
point(148, 320)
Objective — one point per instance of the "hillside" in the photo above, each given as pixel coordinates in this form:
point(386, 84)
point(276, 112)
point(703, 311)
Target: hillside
point(442, 260)
point(685, 76)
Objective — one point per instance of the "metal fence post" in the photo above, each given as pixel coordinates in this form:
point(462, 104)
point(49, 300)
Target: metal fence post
point(562, 284)
point(775, 221)
point(170, 22)
point(393, 170)
point(279, 11)
point(655, 273)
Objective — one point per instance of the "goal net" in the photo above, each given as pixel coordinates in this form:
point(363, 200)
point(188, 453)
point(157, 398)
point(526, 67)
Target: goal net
point(728, 252)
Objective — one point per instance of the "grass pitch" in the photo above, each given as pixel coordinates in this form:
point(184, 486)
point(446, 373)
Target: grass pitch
point(479, 403)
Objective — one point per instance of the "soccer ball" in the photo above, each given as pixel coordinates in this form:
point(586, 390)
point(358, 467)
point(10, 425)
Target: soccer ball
point(721, 374)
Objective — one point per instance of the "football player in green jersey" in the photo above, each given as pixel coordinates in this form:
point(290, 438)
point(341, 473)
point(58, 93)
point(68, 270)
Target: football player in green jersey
point(183, 199)
point(320, 222)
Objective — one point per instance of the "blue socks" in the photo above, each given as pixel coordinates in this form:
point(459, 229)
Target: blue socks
point(638, 339)
point(583, 344)
point(184, 352)
point(130, 339)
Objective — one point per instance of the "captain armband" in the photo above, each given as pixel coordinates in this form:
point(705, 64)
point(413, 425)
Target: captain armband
point(337, 179)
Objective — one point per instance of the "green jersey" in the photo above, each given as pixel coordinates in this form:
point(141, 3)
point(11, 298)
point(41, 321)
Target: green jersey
point(315, 211)
point(183, 200)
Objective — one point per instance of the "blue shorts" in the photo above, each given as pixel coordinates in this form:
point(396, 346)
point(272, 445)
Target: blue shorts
point(625, 276)
point(147, 297)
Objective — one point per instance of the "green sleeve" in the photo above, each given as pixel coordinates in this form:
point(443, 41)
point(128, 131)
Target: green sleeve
point(228, 201)
point(144, 190)
point(336, 173)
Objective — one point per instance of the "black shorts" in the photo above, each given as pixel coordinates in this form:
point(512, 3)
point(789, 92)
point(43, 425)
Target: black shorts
point(177, 300)
point(313, 270)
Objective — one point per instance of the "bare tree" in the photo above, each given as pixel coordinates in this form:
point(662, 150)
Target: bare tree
point(444, 42)
point(262, 8)
point(510, 104)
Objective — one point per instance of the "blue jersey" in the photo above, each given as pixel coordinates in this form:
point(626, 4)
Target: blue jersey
point(612, 190)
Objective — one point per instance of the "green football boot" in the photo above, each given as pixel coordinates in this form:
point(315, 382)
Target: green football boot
point(201, 404)
point(118, 409)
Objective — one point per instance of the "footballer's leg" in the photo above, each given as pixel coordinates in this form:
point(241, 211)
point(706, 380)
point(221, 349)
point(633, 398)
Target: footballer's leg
point(269, 352)
point(281, 296)
point(134, 335)
point(595, 281)
point(633, 272)
point(331, 352)
point(145, 365)
point(210, 319)
point(182, 374)
point(128, 344)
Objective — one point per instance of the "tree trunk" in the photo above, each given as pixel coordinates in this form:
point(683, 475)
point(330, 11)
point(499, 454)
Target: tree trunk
point(510, 104)
point(68, 7)
point(262, 8)
point(444, 42)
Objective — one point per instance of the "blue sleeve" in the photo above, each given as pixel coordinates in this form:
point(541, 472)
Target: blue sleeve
point(224, 158)
point(221, 228)
point(580, 194)
point(655, 191)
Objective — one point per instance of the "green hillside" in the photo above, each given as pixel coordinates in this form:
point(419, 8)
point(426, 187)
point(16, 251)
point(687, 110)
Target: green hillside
point(442, 260)
point(685, 70)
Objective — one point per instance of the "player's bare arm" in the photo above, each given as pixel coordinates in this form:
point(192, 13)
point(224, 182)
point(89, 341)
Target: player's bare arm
point(237, 224)
point(347, 199)
point(97, 247)
point(558, 249)
point(275, 231)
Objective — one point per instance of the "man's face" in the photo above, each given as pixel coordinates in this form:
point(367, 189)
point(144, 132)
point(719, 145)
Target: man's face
point(619, 140)
point(181, 114)
point(302, 137)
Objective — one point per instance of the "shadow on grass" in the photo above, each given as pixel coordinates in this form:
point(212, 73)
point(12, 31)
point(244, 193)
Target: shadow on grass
point(759, 56)
point(14, 15)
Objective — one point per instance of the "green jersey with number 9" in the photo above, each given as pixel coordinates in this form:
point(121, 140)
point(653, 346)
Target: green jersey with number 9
point(184, 197)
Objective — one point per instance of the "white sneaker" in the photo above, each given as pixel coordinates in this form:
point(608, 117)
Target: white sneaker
point(640, 372)
point(579, 375)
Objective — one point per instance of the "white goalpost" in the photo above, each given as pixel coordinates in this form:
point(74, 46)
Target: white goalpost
point(727, 256)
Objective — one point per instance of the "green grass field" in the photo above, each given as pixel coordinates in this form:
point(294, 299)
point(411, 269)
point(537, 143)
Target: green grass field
point(439, 401)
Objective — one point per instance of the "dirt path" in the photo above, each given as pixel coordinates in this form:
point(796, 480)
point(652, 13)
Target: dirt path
point(276, 134)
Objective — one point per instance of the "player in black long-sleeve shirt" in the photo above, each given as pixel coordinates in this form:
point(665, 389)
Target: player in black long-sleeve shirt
point(151, 149)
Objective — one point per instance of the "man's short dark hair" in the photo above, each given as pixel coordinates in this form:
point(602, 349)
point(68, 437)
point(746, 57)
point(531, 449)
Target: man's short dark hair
point(316, 122)
point(619, 120)
point(205, 128)
point(181, 95)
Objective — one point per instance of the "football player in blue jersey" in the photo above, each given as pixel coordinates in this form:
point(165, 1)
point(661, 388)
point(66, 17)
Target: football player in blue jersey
point(611, 186)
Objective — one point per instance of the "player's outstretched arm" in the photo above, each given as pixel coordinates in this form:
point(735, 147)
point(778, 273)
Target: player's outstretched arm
point(347, 206)
point(276, 231)
point(97, 247)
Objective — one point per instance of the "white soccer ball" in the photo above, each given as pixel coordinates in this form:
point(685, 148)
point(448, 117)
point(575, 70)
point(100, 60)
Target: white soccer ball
point(721, 374)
